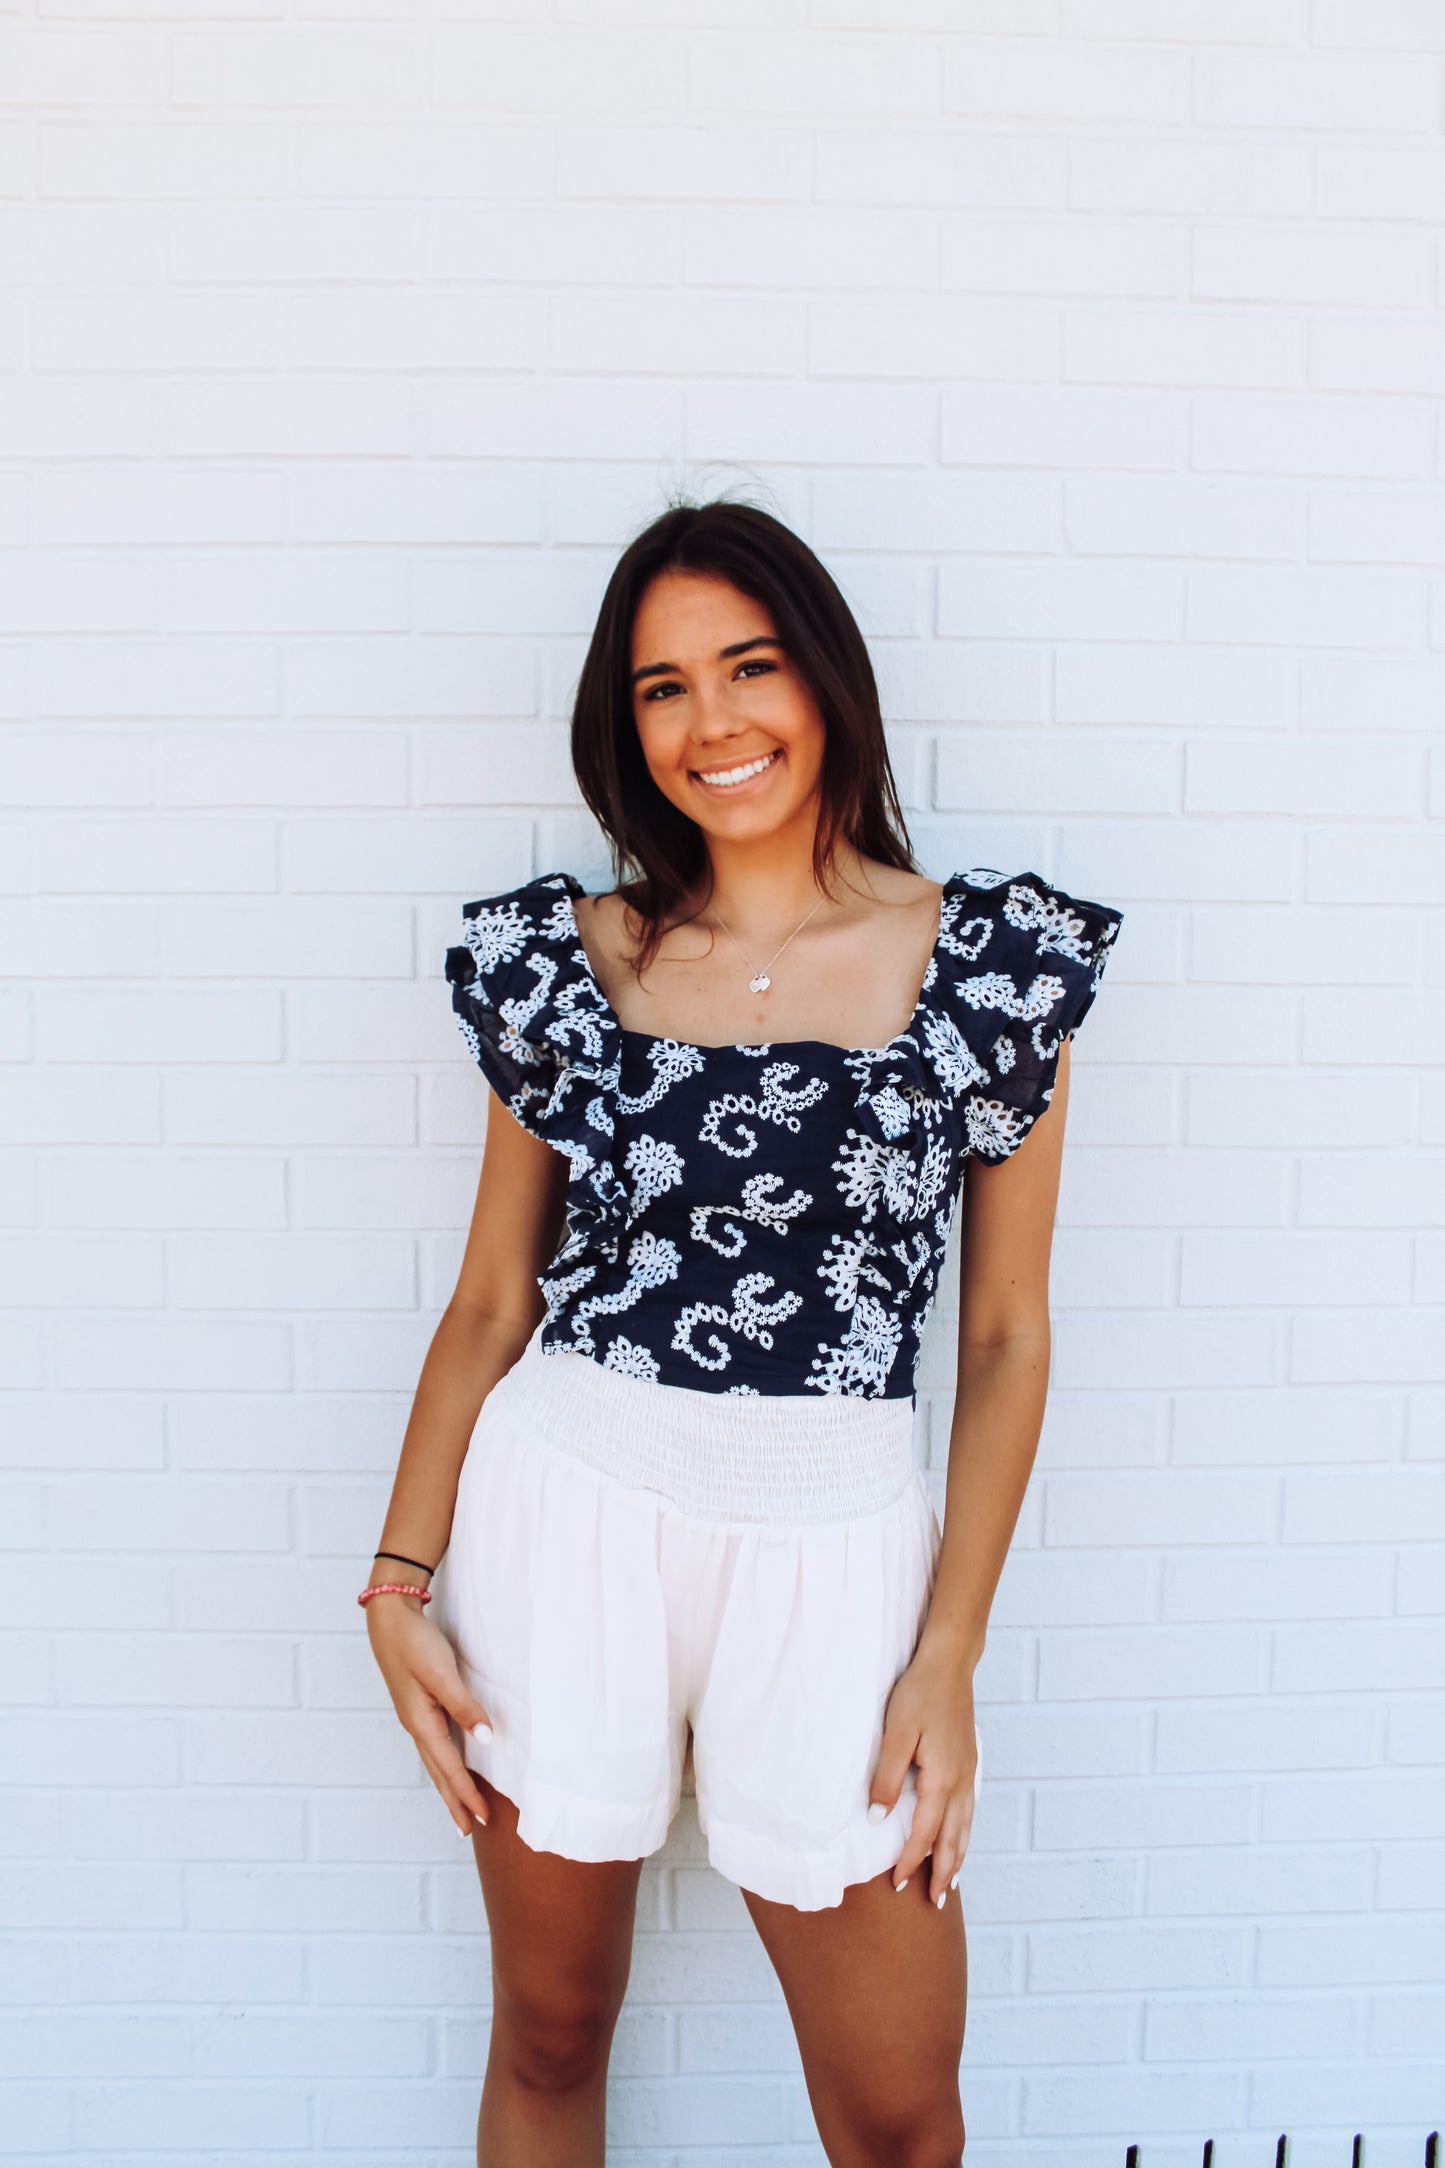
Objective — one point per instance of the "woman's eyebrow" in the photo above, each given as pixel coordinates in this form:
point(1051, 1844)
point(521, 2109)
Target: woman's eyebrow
point(724, 654)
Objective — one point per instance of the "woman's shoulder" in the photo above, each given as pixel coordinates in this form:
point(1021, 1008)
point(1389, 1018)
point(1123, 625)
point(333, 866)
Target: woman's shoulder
point(1018, 965)
point(498, 926)
point(1028, 914)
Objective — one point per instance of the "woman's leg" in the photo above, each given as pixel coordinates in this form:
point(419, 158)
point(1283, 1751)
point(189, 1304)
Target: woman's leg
point(561, 1953)
point(877, 1988)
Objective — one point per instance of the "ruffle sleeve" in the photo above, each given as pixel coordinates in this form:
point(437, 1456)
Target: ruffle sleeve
point(540, 1029)
point(1017, 968)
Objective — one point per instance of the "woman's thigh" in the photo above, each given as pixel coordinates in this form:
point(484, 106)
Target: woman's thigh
point(877, 1988)
point(561, 1928)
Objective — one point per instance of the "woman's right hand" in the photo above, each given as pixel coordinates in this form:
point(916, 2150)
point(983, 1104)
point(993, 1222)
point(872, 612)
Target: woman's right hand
point(419, 1666)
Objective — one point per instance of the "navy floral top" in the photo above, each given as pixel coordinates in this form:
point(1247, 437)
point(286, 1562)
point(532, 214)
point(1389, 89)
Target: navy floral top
point(771, 1219)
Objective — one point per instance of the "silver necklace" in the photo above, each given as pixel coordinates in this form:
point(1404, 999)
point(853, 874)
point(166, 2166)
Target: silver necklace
point(760, 981)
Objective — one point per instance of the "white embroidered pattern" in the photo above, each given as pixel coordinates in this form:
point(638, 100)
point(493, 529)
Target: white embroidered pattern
point(655, 1168)
point(633, 1361)
point(758, 1204)
point(772, 1102)
point(861, 1361)
point(770, 1219)
point(746, 1314)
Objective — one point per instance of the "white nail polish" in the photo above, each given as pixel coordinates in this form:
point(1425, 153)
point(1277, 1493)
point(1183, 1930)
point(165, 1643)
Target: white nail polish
point(483, 1732)
point(943, 1899)
point(877, 1812)
point(954, 1883)
point(903, 1884)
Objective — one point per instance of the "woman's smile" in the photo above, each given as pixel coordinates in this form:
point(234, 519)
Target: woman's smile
point(739, 777)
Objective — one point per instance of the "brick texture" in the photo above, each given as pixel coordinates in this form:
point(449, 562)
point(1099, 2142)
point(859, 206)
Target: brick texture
point(1098, 346)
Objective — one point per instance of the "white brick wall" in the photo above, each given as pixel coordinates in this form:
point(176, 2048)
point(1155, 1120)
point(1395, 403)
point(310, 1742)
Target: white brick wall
point(1099, 346)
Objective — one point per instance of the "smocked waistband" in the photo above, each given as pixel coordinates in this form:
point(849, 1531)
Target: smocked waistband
point(777, 1458)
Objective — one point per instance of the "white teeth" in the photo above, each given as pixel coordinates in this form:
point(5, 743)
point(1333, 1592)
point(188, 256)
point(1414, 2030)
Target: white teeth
point(724, 776)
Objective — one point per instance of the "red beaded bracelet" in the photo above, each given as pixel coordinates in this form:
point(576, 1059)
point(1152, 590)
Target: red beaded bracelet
point(392, 1588)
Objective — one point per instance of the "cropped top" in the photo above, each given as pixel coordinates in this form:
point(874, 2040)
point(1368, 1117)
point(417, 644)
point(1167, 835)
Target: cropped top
point(770, 1218)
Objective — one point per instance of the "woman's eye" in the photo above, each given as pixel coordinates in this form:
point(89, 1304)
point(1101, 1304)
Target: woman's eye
point(653, 691)
point(758, 664)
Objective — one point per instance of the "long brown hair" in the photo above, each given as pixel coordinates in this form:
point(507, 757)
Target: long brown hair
point(660, 855)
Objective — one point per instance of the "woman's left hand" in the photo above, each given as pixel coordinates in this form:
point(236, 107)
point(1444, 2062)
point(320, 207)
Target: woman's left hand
point(929, 1720)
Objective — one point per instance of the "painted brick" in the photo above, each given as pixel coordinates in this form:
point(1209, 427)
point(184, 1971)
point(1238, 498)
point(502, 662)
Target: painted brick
point(1191, 174)
point(1151, 2101)
point(1095, 346)
point(1336, 1658)
point(1377, 355)
point(104, 1189)
point(1169, 686)
point(1313, 90)
point(1315, 776)
point(1063, 256)
point(1262, 1736)
point(1304, 265)
point(1166, 1509)
point(1148, 1817)
point(123, 163)
point(1293, 1269)
point(1248, 434)
point(1314, 609)
point(949, 339)
point(1052, 426)
point(1323, 1583)
point(1261, 1882)
point(289, 69)
point(1391, 1952)
point(1390, 23)
point(812, 75)
point(1245, 2028)
point(1375, 526)
point(1164, 1663)
point(880, 165)
point(1133, 1958)
point(1372, 1189)
point(1065, 82)
point(1367, 1346)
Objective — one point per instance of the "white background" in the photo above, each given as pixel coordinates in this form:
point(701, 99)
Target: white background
point(1097, 346)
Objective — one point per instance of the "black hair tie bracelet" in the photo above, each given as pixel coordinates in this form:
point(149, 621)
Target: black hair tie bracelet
point(407, 1561)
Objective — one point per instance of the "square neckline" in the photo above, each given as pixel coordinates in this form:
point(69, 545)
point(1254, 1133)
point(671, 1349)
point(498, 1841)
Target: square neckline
point(748, 1046)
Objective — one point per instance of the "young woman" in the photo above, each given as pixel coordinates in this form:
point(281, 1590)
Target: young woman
point(664, 1430)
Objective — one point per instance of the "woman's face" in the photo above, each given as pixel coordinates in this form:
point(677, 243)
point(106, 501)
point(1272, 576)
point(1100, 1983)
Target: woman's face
point(730, 731)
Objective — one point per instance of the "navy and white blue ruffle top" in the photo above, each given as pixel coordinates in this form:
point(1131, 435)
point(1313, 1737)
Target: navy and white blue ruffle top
point(773, 1218)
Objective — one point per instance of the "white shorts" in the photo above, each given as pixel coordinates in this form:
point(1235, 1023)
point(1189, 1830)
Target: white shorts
point(630, 1562)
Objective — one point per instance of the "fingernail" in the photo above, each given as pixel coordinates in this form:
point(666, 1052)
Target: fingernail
point(903, 1884)
point(482, 1732)
point(943, 1899)
point(877, 1812)
point(481, 1818)
point(954, 1883)
point(462, 1830)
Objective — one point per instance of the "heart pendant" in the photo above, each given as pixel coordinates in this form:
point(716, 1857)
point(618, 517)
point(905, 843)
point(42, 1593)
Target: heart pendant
point(761, 983)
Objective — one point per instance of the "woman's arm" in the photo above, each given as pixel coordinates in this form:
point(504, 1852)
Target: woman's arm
point(1003, 1374)
point(496, 1307)
point(1003, 1370)
point(516, 1222)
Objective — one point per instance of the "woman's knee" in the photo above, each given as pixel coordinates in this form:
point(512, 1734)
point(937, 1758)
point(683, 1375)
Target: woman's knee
point(554, 2044)
point(919, 2138)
